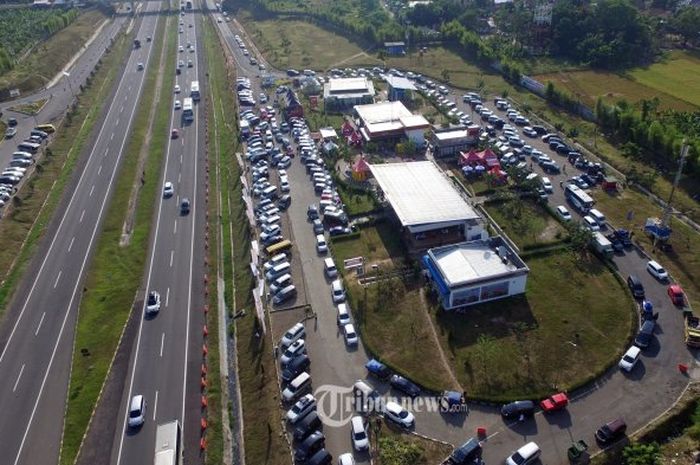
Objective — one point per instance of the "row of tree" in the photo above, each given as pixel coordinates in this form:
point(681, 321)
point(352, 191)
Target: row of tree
point(57, 22)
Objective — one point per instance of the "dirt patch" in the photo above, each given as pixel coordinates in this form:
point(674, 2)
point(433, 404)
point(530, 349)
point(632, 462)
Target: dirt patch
point(549, 233)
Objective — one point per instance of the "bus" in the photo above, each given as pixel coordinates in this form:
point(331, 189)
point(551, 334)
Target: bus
point(47, 128)
point(194, 90)
point(168, 444)
point(278, 247)
point(187, 109)
point(578, 198)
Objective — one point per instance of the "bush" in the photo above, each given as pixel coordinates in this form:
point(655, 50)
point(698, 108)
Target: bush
point(396, 452)
point(641, 454)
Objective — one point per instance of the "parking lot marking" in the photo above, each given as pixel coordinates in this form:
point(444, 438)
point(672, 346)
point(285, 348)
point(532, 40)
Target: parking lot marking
point(21, 370)
point(57, 278)
point(41, 321)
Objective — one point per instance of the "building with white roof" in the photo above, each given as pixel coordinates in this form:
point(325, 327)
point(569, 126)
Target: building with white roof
point(400, 88)
point(390, 121)
point(451, 141)
point(343, 93)
point(473, 272)
point(431, 210)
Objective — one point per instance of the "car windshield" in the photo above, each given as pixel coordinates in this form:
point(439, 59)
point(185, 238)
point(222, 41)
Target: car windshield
point(517, 458)
point(135, 413)
point(359, 435)
point(151, 299)
point(403, 414)
point(628, 358)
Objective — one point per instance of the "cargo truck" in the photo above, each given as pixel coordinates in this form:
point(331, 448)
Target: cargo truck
point(692, 331)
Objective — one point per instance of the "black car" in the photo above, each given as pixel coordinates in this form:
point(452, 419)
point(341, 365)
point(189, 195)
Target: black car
point(322, 457)
point(284, 202)
point(312, 212)
point(636, 286)
point(540, 130)
point(645, 334)
point(310, 423)
point(185, 206)
point(404, 385)
point(12, 122)
point(468, 453)
point(313, 443)
point(296, 367)
point(518, 408)
point(339, 230)
point(611, 431)
point(292, 73)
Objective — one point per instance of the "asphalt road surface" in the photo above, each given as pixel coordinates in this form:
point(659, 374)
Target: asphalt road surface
point(167, 353)
point(38, 332)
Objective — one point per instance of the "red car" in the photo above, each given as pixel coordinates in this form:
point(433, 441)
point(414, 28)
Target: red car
point(174, 134)
point(676, 294)
point(555, 402)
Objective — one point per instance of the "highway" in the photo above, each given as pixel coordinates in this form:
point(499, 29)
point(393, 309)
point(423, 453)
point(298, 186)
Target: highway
point(167, 354)
point(37, 336)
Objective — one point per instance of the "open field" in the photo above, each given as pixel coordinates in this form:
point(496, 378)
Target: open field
point(683, 262)
point(401, 449)
point(526, 222)
point(49, 57)
point(523, 346)
point(677, 75)
point(298, 44)
point(379, 245)
point(589, 85)
point(112, 283)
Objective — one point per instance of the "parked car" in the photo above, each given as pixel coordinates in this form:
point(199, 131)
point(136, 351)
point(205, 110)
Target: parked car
point(611, 431)
point(302, 407)
point(398, 415)
point(636, 286)
point(518, 409)
point(377, 368)
point(309, 446)
point(296, 348)
point(657, 270)
point(404, 385)
point(526, 455)
point(358, 434)
point(468, 453)
point(645, 334)
point(555, 402)
point(350, 335)
point(630, 359)
point(295, 367)
point(294, 333)
point(337, 291)
point(307, 425)
point(676, 294)
point(563, 213)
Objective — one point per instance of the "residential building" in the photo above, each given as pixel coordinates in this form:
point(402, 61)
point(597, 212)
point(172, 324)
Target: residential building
point(343, 93)
point(449, 142)
point(390, 121)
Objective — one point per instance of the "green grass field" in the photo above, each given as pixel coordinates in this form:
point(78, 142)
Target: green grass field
point(673, 80)
point(524, 346)
point(526, 223)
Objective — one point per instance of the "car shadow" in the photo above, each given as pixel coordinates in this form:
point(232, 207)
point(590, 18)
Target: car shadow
point(654, 347)
point(637, 372)
point(562, 419)
point(526, 427)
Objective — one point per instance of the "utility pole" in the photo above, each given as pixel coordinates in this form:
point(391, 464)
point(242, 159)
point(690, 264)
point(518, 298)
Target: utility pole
point(667, 211)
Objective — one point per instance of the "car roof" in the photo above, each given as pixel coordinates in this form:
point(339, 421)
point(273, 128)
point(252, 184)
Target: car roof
point(136, 402)
point(633, 351)
point(616, 424)
point(358, 423)
point(528, 449)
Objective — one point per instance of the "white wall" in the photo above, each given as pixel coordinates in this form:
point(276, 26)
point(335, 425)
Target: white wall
point(417, 136)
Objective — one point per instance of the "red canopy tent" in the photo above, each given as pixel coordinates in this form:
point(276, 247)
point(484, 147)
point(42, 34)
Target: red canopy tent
point(360, 169)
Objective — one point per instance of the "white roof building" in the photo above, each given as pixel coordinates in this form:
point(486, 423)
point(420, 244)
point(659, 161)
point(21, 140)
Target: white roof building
point(386, 120)
point(427, 203)
point(477, 271)
point(340, 93)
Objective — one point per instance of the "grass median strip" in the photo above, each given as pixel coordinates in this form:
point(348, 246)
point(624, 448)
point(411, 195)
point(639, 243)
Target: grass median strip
point(116, 271)
point(26, 219)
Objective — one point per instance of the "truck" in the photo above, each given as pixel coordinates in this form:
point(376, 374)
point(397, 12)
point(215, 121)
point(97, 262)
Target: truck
point(602, 245)
point(137, 43)
point(692, 330)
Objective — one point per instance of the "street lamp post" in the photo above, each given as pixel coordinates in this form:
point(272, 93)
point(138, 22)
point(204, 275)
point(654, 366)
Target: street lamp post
point(66, 74)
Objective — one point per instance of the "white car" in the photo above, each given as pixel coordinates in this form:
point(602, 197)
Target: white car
point(358, 434)
point(563, 213)
point(590, 223)
point(294, 333)
point(181, 49)
point(526, 455)
point(296, 348)
point(301, 408)
point(321, 245)
point(337, 291)
point(137, 411)
point(350, 335)
point(153, 302)
point(630, 359)
point(177, 88)
point(395, 413)
point(346, 459)
point(657, 270)
point(178, 105)
point(168, 189)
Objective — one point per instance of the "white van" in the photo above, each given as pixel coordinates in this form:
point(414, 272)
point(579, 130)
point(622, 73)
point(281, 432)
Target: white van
point(531, 177)
point(269, 192)
point(295, 332)
point(547, 185)
point(343, 315)
point(329, 268)
point(30, 147)
point(299, 385)
point(597, 216)
point(277, 271)
point(364, 396)
point(280, 283)
point(276, 260)
point(526, 455)
point(22, 156)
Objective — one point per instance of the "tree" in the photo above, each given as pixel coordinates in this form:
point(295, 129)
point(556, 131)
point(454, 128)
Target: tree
point(445, 75)
point(686, 22)
point(641, 454)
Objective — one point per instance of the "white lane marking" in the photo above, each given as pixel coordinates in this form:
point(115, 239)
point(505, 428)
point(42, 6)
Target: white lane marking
point(175, 228)
point(21, 370)
point(70, 246)
point(60, 272)
point(167, 297)
point(121, 109)
point(172, 253)
point(81, 216)
point(179, 177)
point(111, 137)
point(92, 189)
point(183, 141)
point(106, 151)
point(162, 343)
point(117, 123)
point(181, 159)
point(82, 268)
point(99, 170)
point(41, 321)
point(155, 406)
